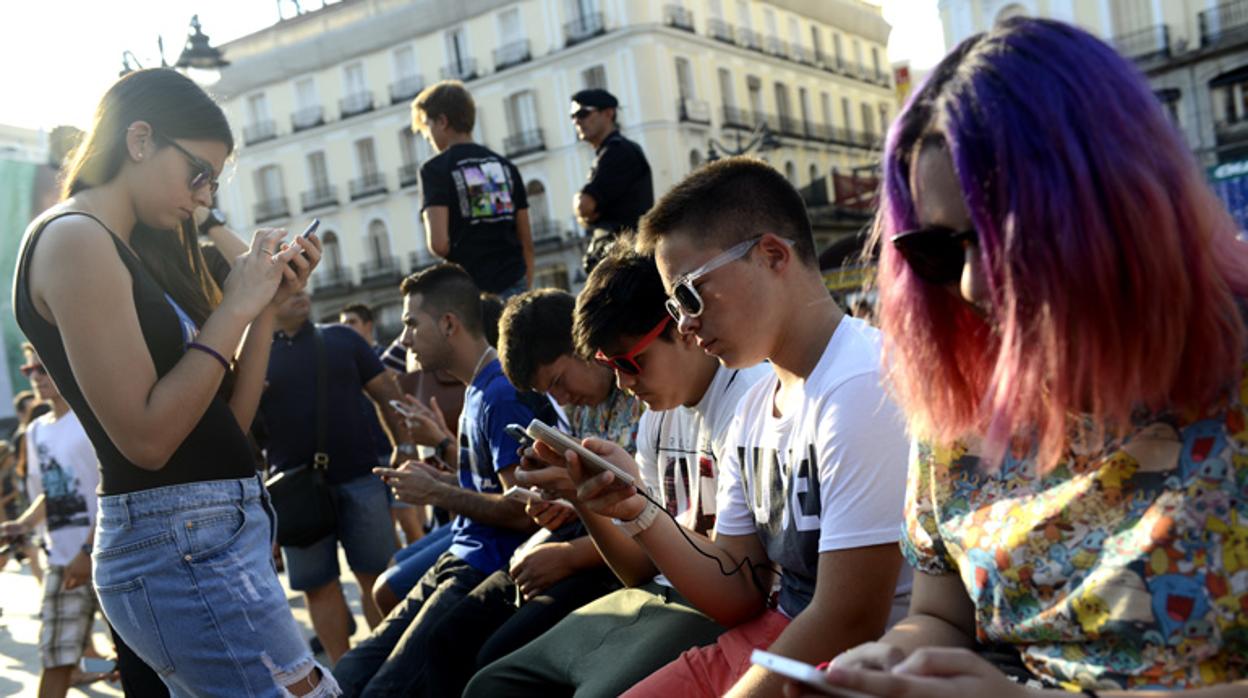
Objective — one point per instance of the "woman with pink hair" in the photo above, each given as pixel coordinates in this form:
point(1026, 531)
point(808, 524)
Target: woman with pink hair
point(1061, 296)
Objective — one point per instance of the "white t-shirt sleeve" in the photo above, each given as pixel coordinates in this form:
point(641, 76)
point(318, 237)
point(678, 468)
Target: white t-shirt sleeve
point(647, 457)
point(733, 516)
point(34, 474)
point(862, 446)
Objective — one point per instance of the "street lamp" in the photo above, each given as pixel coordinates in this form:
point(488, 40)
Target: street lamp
point(761, 138)
point(198, 57)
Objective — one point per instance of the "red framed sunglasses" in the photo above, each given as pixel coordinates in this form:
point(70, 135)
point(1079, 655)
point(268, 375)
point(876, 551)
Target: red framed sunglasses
point(626, 363)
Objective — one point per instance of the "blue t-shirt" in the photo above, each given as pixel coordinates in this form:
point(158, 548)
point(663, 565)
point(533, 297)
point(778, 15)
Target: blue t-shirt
point(288, 406)
point(485, 447)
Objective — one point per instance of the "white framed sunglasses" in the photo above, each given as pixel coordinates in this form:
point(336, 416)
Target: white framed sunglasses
point(684, 300)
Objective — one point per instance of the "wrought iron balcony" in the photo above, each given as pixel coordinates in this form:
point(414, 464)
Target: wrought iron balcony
point(748, 38)
point(719, 30)
point(406, 88)
point(368, 185)
point(260, 132)
point(1227, 23)
point(514, 53)
point(677, 16)
point(791, 126)
point(693, 111)
point(319, 197)
point(272, 209)
point(736, 118)
point(583, 28)
point(409, 175)
point(1151, 42)
point(354, 104)
point(331, 280)
point(380, 271)
point(777, 47)
point(523, 143)
point(306, 118)
point(465, 70)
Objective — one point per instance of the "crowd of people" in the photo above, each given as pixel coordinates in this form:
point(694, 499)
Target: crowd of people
point(1027, 474)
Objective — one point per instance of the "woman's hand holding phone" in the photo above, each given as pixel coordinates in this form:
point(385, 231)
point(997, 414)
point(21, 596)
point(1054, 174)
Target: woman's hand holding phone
point(304, 254)
point(257, 274)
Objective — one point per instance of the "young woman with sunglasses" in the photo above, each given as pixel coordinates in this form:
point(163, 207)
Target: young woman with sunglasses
point(112, 291)
point(1061, 298)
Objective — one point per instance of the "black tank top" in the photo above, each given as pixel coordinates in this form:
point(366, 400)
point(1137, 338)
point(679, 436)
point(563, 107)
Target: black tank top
point(216, 449)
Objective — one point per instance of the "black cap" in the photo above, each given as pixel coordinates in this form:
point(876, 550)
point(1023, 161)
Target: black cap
point(596, 98)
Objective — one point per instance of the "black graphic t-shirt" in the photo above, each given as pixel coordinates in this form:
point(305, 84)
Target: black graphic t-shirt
point(483, 192)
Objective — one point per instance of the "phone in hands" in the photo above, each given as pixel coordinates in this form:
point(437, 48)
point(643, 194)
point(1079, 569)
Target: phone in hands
point(316, 223)
point(404, 411)
point(802, 673)
point(561, 442)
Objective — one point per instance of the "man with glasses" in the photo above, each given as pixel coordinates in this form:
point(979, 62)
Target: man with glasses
point(606, 646)
point(812, 477)
point(619, 189)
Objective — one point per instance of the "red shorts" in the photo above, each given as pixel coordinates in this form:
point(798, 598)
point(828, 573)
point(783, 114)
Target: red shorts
point(712, 670)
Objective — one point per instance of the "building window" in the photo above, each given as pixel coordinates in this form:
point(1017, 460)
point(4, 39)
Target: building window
point(726, 96)
point(790, 173)
point(594, 77)
point(552, 276)
point(782, 101)
point(305, 93)
point(836, 50)
point(825, 105)
point(695, 159)
point(814, 173)
point(510, 28)
point(366, 157)
point(331, 251)
point(540, 224)
point(269, 185)
point(405, 63)
point(318, 171)
point(846, 114)
point(378, 241)
point(684, 78)
point(353, 79)
point(409, 147)
point(868, 119)
point(883, 117)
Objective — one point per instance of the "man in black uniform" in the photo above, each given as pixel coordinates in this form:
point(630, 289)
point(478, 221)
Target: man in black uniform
point(620, 188)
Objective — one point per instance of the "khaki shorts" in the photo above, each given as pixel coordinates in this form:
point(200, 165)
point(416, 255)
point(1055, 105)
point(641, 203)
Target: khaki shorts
point(68, 617)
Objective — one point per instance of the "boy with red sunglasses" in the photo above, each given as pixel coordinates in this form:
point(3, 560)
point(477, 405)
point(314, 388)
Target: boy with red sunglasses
point(620, 320)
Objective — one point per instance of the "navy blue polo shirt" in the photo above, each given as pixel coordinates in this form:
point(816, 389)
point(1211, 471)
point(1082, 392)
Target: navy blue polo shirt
point(288, 406)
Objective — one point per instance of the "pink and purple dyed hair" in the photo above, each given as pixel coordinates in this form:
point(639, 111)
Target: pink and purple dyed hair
point(1113, 270)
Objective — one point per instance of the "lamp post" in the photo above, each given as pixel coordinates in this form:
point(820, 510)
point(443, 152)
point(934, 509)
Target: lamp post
point(198, 58)
point(761, 138)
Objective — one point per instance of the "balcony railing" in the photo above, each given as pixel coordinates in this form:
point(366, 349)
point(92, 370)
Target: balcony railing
point(736, 118)
point(777, 47)
point(547, 230)
point(419, 260)
point(406, 88)
point(327, 280)
point(465, 70)
point(260, 132)
point(583, 28)
point(319, 197)
point(368, 185)
point(719, 30)
point(677, 16)
point(791, 126)
point(271, 209)
point(1152, 42)
point(514, 53)
point(306, 118)
point(748, 38)
point(1225, 23)
point(693, 110)
point(409, 175)
point(524, 143)
point(380, 271)
point(1230, 132)
point(881, 77)
point(358, 103)
point(803, 55)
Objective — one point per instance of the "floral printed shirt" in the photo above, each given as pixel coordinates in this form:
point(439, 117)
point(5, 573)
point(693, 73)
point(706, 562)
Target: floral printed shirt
point(614, 419)
point(1126, 566)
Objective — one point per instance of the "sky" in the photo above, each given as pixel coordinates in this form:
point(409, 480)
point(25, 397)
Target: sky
point(57, 57)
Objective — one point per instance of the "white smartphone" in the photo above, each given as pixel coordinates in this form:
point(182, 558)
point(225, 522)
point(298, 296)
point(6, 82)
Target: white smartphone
point(562, 442)
point(401, 407)
point(523, 495)
point(801, 672)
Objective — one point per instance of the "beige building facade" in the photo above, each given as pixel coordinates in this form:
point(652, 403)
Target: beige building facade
point(321, 105)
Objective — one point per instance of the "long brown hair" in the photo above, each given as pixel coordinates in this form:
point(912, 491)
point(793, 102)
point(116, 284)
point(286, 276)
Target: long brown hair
point(175, 107)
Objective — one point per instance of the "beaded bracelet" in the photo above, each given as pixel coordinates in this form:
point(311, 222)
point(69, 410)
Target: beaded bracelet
point(210, 352)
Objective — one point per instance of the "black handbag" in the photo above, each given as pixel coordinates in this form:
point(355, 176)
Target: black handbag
point(301, 497)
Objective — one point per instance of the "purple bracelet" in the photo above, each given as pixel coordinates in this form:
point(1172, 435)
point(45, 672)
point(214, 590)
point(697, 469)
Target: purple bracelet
point(211, 352)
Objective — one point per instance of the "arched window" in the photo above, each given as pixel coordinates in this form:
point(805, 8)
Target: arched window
point(814, 172)
point(539, 213)
point(331, 253)
point(695, 160)
point(790, 173)
point(378, 241)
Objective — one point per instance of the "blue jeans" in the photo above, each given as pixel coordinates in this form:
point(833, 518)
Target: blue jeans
point(185, 576)
point(411, 563)
point(364, 529)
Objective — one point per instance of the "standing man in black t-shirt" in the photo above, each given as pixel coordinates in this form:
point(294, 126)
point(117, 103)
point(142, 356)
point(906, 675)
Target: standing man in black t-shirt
point(620, 188)
point(475, 210)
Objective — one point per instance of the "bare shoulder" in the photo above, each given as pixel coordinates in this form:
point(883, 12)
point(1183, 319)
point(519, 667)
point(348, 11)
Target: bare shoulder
point(75, 258)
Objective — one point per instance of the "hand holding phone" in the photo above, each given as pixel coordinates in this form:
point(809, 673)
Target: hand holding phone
point(562, 442)
point(801, 672)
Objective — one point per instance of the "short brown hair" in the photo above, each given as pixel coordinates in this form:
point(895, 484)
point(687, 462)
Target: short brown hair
point(447, 288)
point(448, 98)
point(535, 330)
point(729, 201)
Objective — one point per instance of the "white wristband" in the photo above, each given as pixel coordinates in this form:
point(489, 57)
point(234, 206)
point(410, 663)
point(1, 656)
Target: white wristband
point(643, 521)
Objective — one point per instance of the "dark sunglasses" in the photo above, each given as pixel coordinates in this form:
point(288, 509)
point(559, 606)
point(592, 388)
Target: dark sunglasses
point(30, 369)
point(582, 113)
point(201, 171)
point(626, 363)
point(935, 253)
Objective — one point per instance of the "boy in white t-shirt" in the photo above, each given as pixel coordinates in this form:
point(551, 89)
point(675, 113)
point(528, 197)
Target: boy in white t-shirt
point(61, 478)
point(608, 645)
point(814, 473)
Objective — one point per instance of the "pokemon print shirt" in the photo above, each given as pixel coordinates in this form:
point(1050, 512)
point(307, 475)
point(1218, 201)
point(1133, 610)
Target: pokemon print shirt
point(1124, 567)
